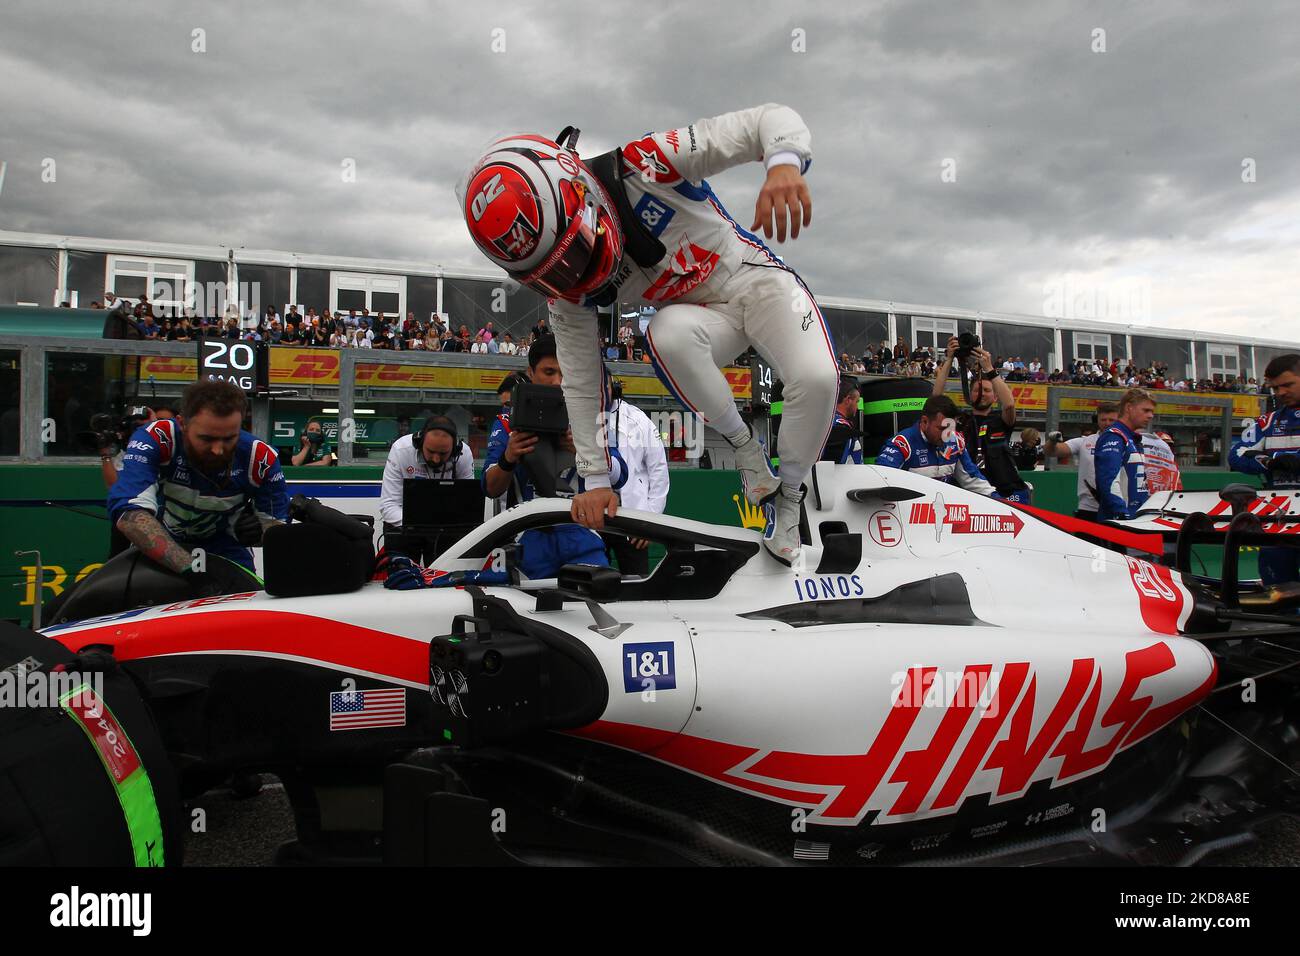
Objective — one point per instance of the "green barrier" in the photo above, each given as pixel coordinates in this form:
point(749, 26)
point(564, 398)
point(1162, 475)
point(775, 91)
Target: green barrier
point(887, 406)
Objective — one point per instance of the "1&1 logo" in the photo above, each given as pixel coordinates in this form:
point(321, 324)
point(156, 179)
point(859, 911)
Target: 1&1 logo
point(652, 662)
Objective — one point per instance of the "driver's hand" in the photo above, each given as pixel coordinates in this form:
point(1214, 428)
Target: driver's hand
point(566, 442)
point(639, 543)
point(784, 191)
point(953, 344)
point(590, 508)
point(519, 445)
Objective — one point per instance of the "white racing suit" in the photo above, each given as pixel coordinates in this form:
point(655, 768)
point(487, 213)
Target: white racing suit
point(718, 290)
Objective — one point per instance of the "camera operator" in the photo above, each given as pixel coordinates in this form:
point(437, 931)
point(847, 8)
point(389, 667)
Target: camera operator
point(844, 446)
point(638, 473)
point(200, 481)
point(1270, 447)
point(313, 448)
point(111, 443)
point(1120, 463)
point(435, 451)
point(987, 435)
point(509, 470)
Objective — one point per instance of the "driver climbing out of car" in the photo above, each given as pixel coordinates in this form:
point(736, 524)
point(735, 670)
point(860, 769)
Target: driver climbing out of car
point(642, 223)
point(200, 482)
point(934, 447)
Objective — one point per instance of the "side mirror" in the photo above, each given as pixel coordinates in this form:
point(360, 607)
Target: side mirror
point(1238, 496)
point(592, 582)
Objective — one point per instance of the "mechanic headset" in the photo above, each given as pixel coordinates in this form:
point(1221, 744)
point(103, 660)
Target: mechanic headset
point(438, 423)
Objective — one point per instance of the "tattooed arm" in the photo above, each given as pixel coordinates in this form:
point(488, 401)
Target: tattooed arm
point(147, 533)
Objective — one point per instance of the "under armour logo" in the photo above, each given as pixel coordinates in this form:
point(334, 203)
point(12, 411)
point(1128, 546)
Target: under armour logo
point(807, 320)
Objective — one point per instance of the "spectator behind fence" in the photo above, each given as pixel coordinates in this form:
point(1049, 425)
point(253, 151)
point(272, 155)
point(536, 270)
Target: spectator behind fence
point(314, 448)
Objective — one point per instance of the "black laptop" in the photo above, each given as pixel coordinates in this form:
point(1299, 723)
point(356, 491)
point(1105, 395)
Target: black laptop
point(431, 506)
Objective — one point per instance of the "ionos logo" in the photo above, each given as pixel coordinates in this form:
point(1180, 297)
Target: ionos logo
point(828, 586)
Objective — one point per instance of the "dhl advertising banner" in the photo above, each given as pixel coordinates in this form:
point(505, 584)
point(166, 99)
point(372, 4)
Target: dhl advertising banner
point(1032, 397)
point(1243, 406)
point(302, 366)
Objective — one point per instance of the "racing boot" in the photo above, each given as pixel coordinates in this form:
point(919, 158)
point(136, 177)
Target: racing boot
point(757, 479)
point(781, 535)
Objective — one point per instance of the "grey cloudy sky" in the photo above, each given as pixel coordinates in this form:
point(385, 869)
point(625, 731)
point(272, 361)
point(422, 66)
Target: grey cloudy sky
point(1090, 173)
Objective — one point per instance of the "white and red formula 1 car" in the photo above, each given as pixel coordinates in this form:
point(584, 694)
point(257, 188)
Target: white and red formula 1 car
point(943, 677)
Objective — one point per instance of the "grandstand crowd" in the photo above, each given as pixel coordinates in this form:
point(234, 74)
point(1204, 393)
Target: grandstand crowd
point(354, 329)
point(901, 359)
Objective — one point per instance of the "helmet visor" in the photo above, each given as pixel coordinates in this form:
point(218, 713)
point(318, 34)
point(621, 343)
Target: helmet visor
point(567, 265)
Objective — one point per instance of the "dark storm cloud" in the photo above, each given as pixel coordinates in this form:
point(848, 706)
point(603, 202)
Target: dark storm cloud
point(1097, 166)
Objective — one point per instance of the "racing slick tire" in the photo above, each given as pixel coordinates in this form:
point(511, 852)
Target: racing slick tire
point(84, 778)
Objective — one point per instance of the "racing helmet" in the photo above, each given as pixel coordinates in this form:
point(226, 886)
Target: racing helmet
point(536, 210)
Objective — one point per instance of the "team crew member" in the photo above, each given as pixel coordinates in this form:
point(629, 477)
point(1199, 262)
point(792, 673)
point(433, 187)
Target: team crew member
point(1270, 446)
point(642, 222)
point(1082, 451)
point(1121, 466)
point(1162, 464)
point(435, 451)
point(506, 472)
point(988, 435)
point(639, 475)
point(844, 447)
point(923, 449)
point(199, 482)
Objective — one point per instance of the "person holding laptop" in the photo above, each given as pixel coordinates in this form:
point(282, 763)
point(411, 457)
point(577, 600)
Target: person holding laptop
point(435, 451)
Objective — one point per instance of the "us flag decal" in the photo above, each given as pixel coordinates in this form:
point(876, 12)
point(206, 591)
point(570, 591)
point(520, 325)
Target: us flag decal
point(366, 709)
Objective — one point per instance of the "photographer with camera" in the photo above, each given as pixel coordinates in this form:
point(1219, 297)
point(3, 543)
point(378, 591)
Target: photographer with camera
point(987, 435)
point(522, 465)
point(110, 437)
point(314, 449)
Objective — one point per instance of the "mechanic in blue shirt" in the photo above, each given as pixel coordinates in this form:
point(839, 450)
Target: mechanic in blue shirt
point(935, 448)
point(1270, 447)
point(542, 552)
point(844, 446)
point(1119, 460)
point(199, 482)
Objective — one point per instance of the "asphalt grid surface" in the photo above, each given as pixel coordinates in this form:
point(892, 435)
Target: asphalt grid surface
point(247, 831)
